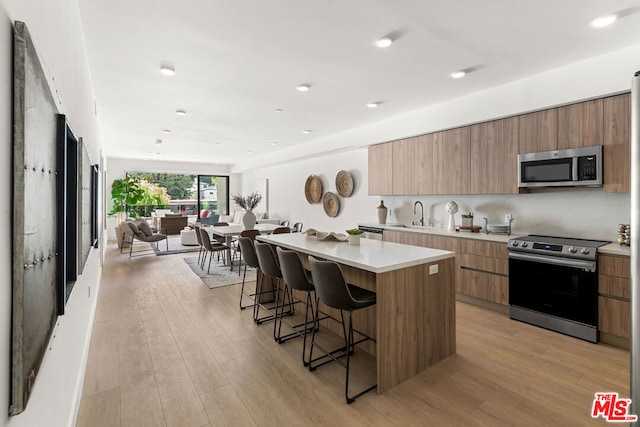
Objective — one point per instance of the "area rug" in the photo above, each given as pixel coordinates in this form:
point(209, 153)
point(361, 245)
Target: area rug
point(220, 274)
point(175, 247)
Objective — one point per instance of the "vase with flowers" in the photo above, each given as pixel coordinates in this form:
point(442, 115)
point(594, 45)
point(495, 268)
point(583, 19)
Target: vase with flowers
point(248, 203)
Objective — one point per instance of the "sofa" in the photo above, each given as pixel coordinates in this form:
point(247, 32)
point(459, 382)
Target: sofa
point(172, 224)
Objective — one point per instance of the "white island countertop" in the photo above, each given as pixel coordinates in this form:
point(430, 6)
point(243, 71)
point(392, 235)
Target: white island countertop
point(369, 255)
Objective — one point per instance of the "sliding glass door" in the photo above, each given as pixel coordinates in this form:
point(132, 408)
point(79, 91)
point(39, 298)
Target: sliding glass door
point(213, 195)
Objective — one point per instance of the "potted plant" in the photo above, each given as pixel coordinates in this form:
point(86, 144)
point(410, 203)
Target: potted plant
point(354, 236)
point(127, 191)
point(248, 203)
point(467, 219)
point(124, 192)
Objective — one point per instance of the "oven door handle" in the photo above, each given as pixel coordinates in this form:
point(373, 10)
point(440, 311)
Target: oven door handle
point(563, 262)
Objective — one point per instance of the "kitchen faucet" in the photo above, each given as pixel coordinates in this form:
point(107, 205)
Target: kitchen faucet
point(421, 211)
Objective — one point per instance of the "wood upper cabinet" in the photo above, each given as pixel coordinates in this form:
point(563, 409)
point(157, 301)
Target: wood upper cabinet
point(380, 169)
point(538, 131)
point(494, 157)
point(412, 172)
point(403, 151)
point(580, 125)
point(450, 163)
point(617, 144)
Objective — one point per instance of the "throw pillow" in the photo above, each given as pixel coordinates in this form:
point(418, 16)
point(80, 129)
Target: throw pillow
point(204, 213)
point(144, 227)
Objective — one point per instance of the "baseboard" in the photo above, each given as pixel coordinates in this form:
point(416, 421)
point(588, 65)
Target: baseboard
point(503, 309)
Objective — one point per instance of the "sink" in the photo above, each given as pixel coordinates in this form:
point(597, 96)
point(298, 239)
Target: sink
point(412, 226)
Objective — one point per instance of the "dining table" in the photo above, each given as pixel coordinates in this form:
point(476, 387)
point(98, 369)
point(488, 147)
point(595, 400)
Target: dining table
point(231, 231)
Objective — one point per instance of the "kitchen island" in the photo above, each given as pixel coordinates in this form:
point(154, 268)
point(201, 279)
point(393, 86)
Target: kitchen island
point(413, 320)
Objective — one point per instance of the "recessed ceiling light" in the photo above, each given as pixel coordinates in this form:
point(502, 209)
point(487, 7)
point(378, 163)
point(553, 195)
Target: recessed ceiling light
point(458, 74)
point(603, 21)
point(373, 104)
point(273, 143)
point(181, 112)
point(166, 130)
point(249, 152)
point(278, 110)
point(307, 131)
point(304, 87)
point(384, 42)
point(167, 69)
point(217, 143)
point(158, 141)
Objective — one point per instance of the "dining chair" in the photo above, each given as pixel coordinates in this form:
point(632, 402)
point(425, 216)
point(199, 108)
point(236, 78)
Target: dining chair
point(200, 246)
point(281, 230)
point(211, 249)
point(333, 290)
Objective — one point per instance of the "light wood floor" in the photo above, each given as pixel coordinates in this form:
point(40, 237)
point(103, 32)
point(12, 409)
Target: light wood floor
point(167, 351)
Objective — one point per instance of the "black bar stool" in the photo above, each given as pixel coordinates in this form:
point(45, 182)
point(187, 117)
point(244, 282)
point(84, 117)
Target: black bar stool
point(248, 252)
point(333, 290)
point(270, 268)
point(297, 278)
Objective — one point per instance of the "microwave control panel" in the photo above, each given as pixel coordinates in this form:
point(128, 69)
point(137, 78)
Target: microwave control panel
point(587, 168)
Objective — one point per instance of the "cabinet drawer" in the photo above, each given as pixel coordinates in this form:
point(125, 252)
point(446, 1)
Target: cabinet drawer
point(614, 286)
point(486, 286)
point(487, 249)
point(477, 262)
point(614, 316)
point(614, 266)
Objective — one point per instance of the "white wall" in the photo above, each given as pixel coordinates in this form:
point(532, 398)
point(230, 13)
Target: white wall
point(286, 190)
point(118, 167)
point(56, 32)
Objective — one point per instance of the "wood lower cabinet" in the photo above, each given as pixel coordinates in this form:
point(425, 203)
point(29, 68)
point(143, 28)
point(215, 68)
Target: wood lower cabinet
point(617, 144)
point(484, 270)
point(380, 169)
point(614, 289)
point(482, 266)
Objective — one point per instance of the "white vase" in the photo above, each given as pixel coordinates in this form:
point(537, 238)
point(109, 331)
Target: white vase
point(249, 220)
point(353, 239)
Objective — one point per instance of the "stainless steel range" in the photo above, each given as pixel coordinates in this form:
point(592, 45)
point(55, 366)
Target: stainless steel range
point(553, 283)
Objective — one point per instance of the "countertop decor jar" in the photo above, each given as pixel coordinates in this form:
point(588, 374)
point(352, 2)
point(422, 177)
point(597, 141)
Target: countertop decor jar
point(382, 213)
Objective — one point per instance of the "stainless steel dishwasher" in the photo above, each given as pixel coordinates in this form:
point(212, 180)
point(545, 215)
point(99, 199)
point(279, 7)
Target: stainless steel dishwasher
point(373, 233)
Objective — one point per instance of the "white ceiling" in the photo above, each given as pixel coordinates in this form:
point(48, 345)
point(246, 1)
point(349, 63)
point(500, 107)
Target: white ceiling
point(237, 61)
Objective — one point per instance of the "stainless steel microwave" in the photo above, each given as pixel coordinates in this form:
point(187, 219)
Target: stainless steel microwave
point(561, 168)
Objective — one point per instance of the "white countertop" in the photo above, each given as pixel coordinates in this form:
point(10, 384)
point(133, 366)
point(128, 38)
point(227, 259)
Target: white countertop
point(610, 249)
point(503, 238)
point(369, 255)
point(615, 249)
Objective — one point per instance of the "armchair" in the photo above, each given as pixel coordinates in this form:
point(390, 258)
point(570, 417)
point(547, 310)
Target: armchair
point(172, 224)
point(141, 231)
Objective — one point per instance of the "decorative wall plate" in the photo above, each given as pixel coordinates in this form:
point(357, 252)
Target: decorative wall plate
point(313, 189)
point(331, 204)
point(344, 183)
